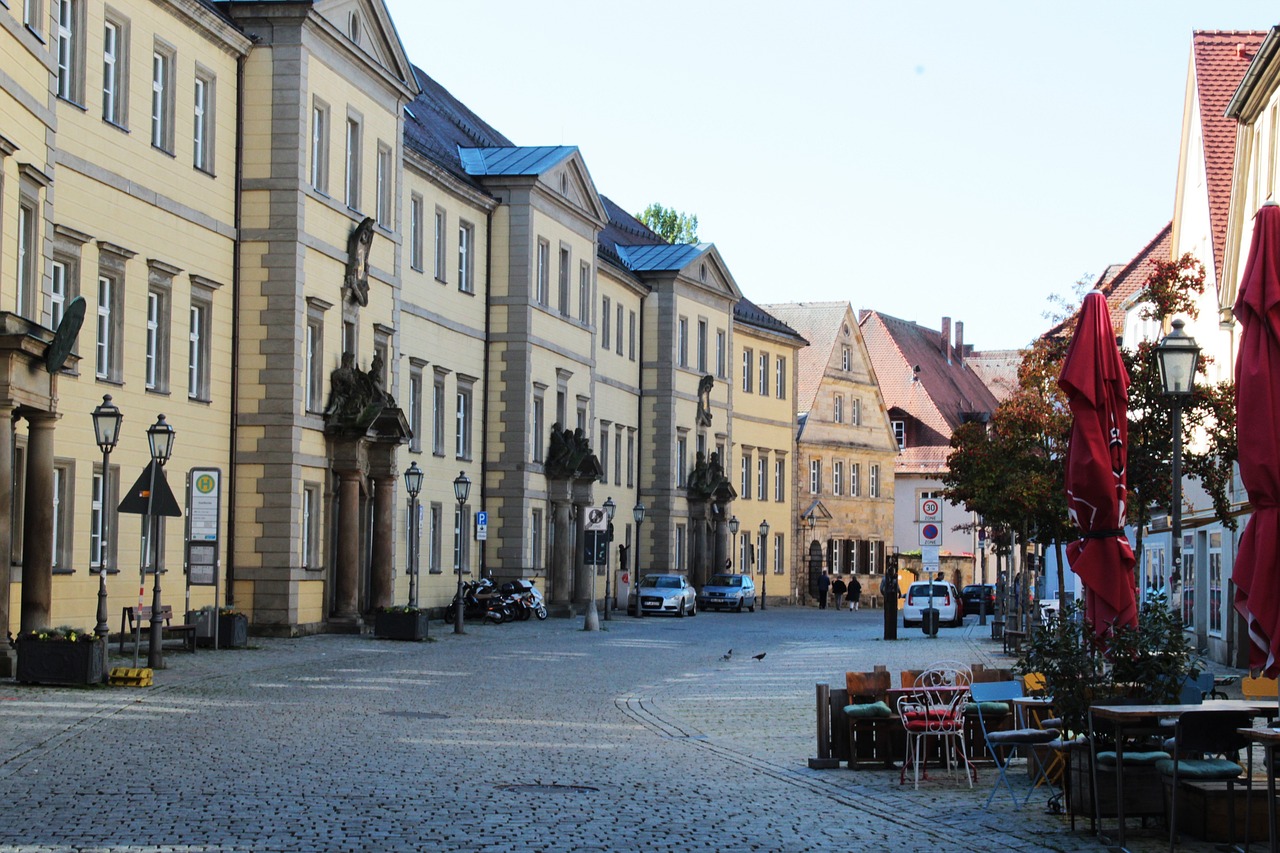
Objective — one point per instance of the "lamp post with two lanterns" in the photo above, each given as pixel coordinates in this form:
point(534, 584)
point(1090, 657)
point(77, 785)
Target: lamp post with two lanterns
point(1178, 357)
point(106, 429)
point(413, 484)
point(461, 488)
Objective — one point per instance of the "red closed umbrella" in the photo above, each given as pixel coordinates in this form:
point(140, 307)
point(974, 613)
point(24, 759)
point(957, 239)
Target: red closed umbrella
point(1256, 573)
point(1097, 388)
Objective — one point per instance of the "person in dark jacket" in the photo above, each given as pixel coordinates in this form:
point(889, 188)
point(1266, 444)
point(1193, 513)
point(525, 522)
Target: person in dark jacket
point(855, 593)
point(837, 591)
point(824, 584)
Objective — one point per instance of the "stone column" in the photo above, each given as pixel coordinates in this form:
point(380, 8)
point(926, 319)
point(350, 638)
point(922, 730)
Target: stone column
point(384, 527)
point(8, 659)
point(723, 543)
point(560, 575)
point(582, 499)
point(698, 547)
point(37, 524)
point(346, 580)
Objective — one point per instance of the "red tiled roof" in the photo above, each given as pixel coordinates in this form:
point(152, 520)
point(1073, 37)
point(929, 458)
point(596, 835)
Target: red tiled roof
point(1221, 58)
point(819, 323)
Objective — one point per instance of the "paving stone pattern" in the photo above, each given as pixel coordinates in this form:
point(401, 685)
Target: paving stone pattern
point(528, 736)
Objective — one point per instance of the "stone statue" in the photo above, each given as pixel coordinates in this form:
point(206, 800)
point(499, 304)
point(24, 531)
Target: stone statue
point(704, 400)
point(358, 244)
point(356, 398)
point(699, 483)
point(569, 455)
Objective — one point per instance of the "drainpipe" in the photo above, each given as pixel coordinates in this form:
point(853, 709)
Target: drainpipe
point(484, 406)
point(235, 334)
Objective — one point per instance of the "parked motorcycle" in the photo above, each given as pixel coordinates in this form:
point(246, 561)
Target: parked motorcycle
point(526, 598)
point(480, 599)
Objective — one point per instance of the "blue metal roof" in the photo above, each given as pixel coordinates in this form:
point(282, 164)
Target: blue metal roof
point(523, 160)
point(661, 257)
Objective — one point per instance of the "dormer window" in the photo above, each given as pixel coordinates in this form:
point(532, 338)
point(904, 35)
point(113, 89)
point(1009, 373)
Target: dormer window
point(900, 433)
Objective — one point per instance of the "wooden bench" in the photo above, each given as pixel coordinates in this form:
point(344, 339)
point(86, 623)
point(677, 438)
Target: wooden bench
point(142, 620)
point(1013, 641)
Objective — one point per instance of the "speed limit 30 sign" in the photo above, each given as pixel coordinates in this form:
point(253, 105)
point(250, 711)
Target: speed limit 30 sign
point(930, 510)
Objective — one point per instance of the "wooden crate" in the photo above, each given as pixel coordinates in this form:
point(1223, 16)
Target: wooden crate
point(1203, 810)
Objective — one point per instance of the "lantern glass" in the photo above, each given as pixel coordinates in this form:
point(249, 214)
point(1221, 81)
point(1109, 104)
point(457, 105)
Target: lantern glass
point(733, 524)
point(160, 437)
point(1178, 356)
point(413, 479)
point(106, 424)
point(637, 513)
point(610, 508)
point(461, 487)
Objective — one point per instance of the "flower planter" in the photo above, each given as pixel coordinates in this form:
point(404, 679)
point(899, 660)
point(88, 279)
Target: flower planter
point(61, 661)
point(400, 626)
point(233, 630)
point(1143, 789)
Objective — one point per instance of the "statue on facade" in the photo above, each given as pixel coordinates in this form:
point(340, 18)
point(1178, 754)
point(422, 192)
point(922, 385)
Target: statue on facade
point(569, 455)
point(704, 400)
point(357, 277)
point(356, 398)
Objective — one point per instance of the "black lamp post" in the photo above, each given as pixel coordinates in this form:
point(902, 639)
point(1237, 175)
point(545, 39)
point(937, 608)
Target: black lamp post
point(106, 428)
point(160, 437)
point(982, 583)
point(413, 484)
point(461, 488)
point(1178, 357)
point(609, 509)
point(764, 572)
point(637, 515)
point(734, 525)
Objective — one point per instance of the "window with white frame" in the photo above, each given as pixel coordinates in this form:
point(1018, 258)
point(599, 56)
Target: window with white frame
point(763, 379)
point(838, 409)
point(385, 189)
point(543, 272)
point(744, 488)
point(70, 50)
point(156, 353)
point(110, 319)
point(1215, 601)
point(746, 371)
point(101, 511)
point(462, 416)
point(203, 123)
point(163, 60)
point(680, 547)
point(311, 525)
point(702, 345)
point(63, 482)
point(618, 325)
point(780, 378)
point(199, 345)
point(461, 539)
point(437, 415)
point(466, 259)
point(899, 433)
point(115, 70)
point(631, 335)
point(439, 244)
point(779, 479)
point(416, 235)
point(873, 481)
point(846, 358)
point(1189, 580)
point(320, 146)
point(631, 457)
point(815, 476)
point(682, 452)
point(313, 354)
point(606, 323)
point(535, 539)
point(415, 407)
point(721, 366)
point(617, 457)
point(779, 553)
point(538, 427)
point(351, 172)
point(58, 283)
point(856, 407)
point(435, 539)
point(855, 480)
point(584, 293)
point(682, 342)
point(837, 478)
point(762, 553)
point(762, 481)
point(28, 278)
point(604, 452)
point(562, 281)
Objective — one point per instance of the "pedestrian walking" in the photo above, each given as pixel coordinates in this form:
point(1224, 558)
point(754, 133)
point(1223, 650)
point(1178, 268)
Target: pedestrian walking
point(855, 593)
point(837, 591)
point(824, 584)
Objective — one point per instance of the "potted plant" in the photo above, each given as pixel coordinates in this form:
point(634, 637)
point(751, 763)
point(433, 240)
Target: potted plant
point(233, 629)
point(400, 622)
point(64, 655)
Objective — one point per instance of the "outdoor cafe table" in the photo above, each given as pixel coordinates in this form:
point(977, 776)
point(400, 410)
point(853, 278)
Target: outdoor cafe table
point(1269, 739)
point(1128, 718)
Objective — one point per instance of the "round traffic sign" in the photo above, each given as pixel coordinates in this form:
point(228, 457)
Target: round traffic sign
point(930, 506)
point(930, 531)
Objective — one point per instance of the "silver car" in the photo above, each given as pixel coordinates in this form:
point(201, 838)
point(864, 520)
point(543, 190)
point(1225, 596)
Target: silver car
point(667, 594)
point(728, 591)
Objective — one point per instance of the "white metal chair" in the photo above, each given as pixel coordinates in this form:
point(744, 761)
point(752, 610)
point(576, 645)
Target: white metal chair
point(934, 710)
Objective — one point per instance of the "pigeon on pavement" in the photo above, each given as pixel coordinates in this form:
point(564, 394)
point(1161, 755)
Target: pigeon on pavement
point(760, 656)
point(727, 655)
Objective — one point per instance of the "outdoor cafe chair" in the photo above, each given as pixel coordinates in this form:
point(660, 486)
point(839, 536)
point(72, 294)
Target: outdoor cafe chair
point(1003, 744)
point(870, 719)
point(933, 714)
point(1206, 735)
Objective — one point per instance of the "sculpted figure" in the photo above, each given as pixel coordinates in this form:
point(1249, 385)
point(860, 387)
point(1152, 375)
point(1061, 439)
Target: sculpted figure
point(357, 278)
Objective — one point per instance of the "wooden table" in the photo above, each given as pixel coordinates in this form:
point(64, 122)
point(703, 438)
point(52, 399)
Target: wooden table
point(1269, 739)
point(1146, 717)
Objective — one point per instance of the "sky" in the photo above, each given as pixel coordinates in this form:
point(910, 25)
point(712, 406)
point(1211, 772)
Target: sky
point(923, 159)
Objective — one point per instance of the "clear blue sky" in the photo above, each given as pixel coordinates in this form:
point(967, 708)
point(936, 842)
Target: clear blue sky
point(925, 159)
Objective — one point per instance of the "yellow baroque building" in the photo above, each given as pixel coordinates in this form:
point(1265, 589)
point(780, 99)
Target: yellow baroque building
point(262, 222)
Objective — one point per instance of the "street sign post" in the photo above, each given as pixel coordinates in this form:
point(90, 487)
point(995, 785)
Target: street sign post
point(482, 526)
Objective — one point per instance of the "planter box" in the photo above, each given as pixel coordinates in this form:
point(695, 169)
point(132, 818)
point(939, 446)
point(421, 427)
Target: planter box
point(61, 662)
point(400, 626)
point(1143, 789)
point(233, 630)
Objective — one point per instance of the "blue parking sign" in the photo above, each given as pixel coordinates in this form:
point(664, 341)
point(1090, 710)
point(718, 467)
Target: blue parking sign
point(482, 519)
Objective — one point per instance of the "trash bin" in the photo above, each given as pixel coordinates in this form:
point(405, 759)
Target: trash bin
point(997, 629)
point(929, 621)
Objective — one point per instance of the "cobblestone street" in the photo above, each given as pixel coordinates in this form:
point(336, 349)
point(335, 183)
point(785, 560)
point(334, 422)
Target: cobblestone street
point(529, 736)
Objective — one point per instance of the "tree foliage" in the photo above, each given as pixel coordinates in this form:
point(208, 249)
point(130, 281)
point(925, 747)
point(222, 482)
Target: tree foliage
point(670, 224)
point(1172, 289)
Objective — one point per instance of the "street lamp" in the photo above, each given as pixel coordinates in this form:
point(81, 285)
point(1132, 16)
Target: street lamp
point(1178, 357)
point(764, 572)
point(609, 509)
point(106, 427)
point(982, 583)
point(637, 515)
point(461, 488)
point(413, 484)
point(160, 437)
point(734, 524)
